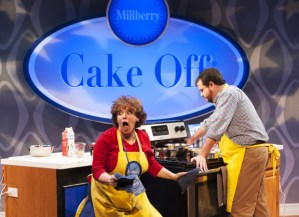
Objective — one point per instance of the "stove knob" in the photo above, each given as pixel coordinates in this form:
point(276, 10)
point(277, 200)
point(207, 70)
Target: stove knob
point(179, 128)
point(182, 128)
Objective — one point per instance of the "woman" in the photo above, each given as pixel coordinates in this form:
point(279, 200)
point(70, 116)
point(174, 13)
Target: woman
point(125, 150)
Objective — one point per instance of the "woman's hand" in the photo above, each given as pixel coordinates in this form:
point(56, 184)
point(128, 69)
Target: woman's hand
point(166, 174)
point(201, 162)
point(113, 181)
point(177, 176)
point(107, 179)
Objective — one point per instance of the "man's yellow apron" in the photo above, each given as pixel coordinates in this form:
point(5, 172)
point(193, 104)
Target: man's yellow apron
point(233, 155)
point(108, 201)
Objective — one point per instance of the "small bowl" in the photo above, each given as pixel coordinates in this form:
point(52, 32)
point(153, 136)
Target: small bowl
point(79, 149)
point(40, 150)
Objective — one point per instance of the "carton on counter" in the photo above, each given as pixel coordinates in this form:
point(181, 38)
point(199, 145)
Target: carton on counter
point(68, 142)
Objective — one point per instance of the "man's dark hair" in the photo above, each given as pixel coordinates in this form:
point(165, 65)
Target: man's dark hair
point(210, 74)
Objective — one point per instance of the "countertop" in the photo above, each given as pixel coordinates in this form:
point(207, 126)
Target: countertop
point(54, 161)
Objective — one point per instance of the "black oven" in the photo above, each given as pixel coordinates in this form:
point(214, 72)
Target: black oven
point(201, 198)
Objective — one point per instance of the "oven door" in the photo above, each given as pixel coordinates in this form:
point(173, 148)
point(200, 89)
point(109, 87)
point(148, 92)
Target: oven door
point(165, 195)
point(203, 197)
point(200, 200)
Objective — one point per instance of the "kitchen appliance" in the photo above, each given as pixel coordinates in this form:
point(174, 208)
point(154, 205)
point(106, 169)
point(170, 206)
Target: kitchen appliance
point(200, 200)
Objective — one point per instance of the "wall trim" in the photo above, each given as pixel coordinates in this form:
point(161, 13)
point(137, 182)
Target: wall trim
point(289, 209)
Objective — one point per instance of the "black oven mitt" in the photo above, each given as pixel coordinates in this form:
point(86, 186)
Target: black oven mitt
point(130, 184)
point(186, 180)
point(124, 182)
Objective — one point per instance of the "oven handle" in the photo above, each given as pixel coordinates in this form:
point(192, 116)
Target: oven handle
point(216, 170)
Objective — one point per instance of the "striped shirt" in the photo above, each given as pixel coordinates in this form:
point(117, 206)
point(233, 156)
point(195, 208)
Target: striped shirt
point(235, 116)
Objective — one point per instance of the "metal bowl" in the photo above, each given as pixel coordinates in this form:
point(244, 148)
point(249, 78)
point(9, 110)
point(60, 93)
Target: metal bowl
point(170, 152)
point(214, 154)
point(161, 153)
point(41, 150)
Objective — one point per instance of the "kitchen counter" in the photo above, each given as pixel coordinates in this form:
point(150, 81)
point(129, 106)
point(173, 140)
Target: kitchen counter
point(50, 186)
point(54, 161)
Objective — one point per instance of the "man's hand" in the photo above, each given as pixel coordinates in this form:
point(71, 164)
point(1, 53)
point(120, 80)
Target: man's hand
point(201, 162)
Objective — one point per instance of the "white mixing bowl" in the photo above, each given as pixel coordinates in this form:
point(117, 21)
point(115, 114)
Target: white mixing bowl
point(41, 150)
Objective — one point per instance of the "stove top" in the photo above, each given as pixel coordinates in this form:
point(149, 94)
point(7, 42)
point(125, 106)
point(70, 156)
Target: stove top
point(172, 133)
point(187, 165)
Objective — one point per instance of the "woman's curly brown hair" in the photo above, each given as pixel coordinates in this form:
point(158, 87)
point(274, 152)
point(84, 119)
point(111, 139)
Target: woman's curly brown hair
point(133, 105)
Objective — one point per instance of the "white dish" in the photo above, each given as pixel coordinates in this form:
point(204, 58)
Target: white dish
point(41, 150)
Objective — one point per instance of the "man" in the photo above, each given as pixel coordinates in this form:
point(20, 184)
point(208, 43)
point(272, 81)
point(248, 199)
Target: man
point(241, 135)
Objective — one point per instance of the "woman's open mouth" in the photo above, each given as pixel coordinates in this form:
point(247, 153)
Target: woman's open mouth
point(125, 123)
point(125, 126)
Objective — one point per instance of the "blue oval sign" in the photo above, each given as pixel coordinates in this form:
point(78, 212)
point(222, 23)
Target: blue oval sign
point(83, 67)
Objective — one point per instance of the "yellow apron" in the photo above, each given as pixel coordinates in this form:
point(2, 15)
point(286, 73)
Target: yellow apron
point(233, 155)
point(108, 201)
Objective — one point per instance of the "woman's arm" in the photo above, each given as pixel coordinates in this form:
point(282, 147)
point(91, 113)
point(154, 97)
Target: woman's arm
point(105, 154)
point(166, 174)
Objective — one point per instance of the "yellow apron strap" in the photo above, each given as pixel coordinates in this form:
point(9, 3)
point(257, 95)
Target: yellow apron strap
point(139, 145)
point(273, 151)
point(119, 141)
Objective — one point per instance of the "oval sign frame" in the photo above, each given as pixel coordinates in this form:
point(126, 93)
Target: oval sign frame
point(81, 68)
